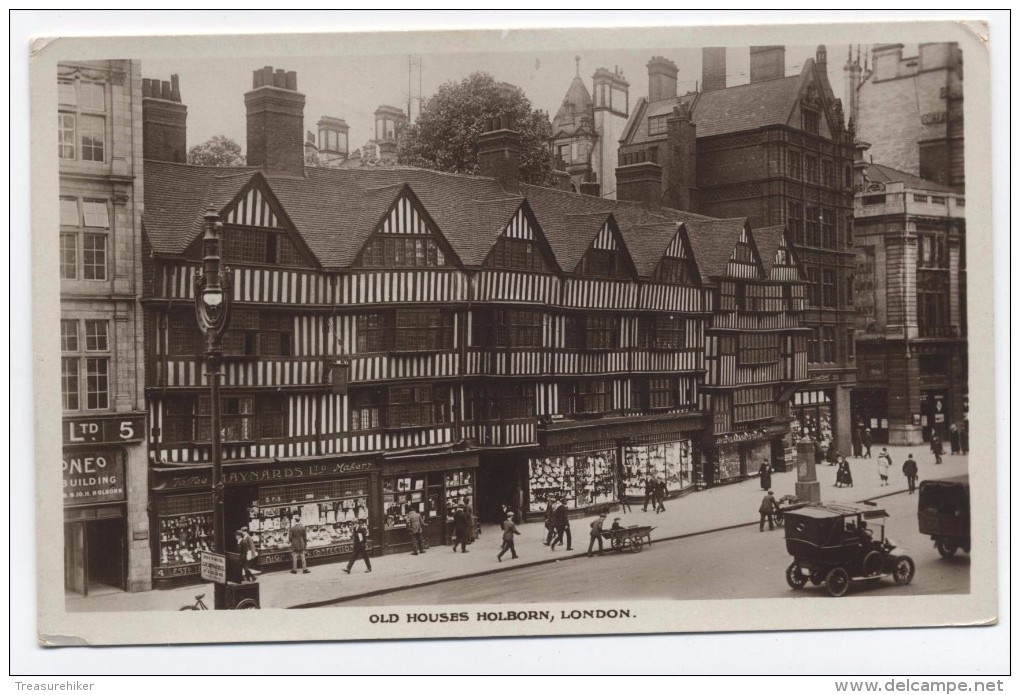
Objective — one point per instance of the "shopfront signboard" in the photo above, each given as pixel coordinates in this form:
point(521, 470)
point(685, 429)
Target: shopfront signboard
point(213, 567)
point(105, 430)
point(93, 476)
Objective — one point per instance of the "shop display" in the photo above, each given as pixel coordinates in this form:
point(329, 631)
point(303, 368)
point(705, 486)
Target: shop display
point(328, 511)
point(670, 461)
point(182, 537)
point(580, 480)
point(729, 463)
point(551, 479)
point(459, 489)
point(401, 495)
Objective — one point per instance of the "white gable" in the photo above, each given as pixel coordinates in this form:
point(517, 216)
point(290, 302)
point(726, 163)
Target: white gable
point(404, 219)
point(253, 211)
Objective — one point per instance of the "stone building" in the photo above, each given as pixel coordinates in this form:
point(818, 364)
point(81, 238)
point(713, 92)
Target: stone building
point(403, 338)
point(330, 147)
point(390, 121)
point(910, 109)
point(776, 151)
point(911, 301)
point(105, 472)
point(586, 131)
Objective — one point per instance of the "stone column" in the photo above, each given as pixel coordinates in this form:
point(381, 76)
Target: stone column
point(807, 487)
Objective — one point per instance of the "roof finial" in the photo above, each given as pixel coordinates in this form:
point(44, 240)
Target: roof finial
point(577, 59)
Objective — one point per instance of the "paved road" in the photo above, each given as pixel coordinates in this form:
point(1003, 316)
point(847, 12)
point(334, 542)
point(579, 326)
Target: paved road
point(740, 563)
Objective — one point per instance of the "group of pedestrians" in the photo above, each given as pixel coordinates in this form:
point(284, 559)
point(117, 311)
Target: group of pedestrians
point(655, 492)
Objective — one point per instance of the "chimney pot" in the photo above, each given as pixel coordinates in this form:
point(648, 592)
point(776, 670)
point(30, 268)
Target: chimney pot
point(164, 121)
point(499, 151)
point(165, 90)
point(275, 116)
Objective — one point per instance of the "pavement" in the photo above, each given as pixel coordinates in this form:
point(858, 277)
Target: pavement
point(705, 511)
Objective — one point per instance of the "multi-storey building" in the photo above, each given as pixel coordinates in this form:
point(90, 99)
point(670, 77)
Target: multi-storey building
point(390, 121)
point(105, 473)
point(911, 299)
point(586, 131)
point(403, 338)
point(330, 147)
point(910, 109)
point(777, 152)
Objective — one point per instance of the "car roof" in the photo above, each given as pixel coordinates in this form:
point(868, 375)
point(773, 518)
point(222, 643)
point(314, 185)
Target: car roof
point(957, 480)
point(832, 510)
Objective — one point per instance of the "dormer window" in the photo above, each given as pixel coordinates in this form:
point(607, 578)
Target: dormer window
point(657, 125)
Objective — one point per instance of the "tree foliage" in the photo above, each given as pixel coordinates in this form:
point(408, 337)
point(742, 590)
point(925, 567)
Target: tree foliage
point(445, 135)
point(217, 151)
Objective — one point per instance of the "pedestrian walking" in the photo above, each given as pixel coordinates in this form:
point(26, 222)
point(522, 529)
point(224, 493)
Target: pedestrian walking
point(360, 548)
point(469, 512)
point(460, 529)
point(246, 549)
point(298, 538)
point(416, 527)
point(954, 440)
point(767, 510)
point(884, 464)
point(866, 442)
point(910, 470)
point(561, 524)
point(765, 475)
point(649, 492)
point(509, 531)
point(596, 534)
point(843, 476)
point(660, 495)
point(936, 447)
point(550, 530)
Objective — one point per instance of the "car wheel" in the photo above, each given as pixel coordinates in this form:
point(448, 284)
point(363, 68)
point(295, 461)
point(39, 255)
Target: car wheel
point(794, 577)
point(837, 581)
point(903, 573)
point(872, 564)
point(946, 548)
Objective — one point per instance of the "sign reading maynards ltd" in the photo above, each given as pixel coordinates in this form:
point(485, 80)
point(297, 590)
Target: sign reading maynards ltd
point(200, 477)
point(93, 476)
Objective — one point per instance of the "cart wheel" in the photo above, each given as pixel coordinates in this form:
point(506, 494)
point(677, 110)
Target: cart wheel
point(780, 519)
point(794, 577)
point(837, 581)
point(817, 577)
point(904, 571)
point(946, 547)
point(872, 564)
point(246, 604)
point(617, 543)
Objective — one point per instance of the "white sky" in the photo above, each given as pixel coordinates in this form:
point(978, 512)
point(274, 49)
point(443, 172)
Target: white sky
point(352, 87)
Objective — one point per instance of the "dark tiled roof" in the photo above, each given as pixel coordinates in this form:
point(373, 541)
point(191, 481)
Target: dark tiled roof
point(767, 239)
point(730, 110)
point(884, 174)
point(576, 102)
point(713, 242)
point(649, 234)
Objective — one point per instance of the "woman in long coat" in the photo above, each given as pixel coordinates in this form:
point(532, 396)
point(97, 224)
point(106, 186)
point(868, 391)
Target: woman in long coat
point(843, 476)
point(765, 475)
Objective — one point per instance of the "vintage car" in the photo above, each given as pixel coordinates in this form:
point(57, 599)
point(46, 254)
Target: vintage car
point(943, 512)
point(837, 543)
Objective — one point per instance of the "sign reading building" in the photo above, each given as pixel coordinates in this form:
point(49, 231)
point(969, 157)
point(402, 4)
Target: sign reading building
point(93, 476)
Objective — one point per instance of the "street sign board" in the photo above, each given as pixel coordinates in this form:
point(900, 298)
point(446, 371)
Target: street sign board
point(213, 567)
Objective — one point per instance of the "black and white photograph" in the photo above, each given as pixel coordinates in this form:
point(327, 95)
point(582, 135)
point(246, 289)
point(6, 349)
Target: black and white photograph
point(656, 325)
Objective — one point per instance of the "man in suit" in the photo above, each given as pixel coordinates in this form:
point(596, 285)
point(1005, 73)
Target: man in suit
point(416, 526)
point(298, 538)
point(660, 495)
point(360, 547)
point(649, 491)
point(460, 529)
point(910, 470)
point(561, 524)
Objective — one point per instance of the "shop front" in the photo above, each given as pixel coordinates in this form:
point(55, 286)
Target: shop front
point(870, 410)
point(671, 461)
point(581, 479)
point(330, 497)
point(434, 486)
point(739, 455)
point(813, 414)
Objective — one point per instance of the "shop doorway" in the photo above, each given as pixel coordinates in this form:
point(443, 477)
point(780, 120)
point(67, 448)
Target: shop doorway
point(869, 409)
point(94, 556)
point(499, 484)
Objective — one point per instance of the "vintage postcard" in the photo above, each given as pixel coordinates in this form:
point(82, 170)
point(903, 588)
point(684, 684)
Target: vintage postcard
point(670, 328)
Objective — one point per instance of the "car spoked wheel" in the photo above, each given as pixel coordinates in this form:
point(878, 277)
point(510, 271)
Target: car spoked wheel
point(904, 570)
point(795, 577)
point(837, 581)
point(946, 548)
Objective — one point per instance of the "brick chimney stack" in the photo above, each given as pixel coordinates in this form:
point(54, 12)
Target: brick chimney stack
point(713, 69)
point(768, 63)
point(662, 74)
point(499, 149)
point(164, 121)
point(276, 122)
point(682, 157)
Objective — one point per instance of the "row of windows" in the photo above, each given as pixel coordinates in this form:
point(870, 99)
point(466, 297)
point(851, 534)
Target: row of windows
point(403, 251)
point(811, 169)
point(259, 246)
point(811, 225)
point(757, 348)
point(84, 368)
point(821, 286)
point(516, 254)
point(242, 418)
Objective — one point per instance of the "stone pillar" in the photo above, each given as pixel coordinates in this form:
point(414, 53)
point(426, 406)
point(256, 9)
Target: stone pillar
point(841, 418)
point(807, 487)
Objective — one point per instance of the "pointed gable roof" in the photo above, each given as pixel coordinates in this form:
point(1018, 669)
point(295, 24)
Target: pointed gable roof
point(768, 241)
point(577, 101)
point(713, 242)
point(649, 235)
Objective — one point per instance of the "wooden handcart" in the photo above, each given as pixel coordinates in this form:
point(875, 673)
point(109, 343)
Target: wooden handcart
point(787, 503)
point(632, 538)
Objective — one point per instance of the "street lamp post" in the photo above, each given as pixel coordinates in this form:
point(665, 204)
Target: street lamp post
point(212, 309)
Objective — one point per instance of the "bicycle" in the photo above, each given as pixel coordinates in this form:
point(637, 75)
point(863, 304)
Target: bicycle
point(243, 604)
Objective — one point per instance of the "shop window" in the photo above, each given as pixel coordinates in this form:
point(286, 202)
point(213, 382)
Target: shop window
point(516, 254)
point(85, 364)
point(499, 328)
point(81, 121)
point(403, 251)
point(661, 332)
point(373, 332)
point(85, 226)
point(422, 330)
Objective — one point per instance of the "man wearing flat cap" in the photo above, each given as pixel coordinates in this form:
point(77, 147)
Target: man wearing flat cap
point(596, 533)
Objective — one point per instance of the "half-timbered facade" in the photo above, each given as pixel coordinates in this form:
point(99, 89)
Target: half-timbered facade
point(401, 339)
